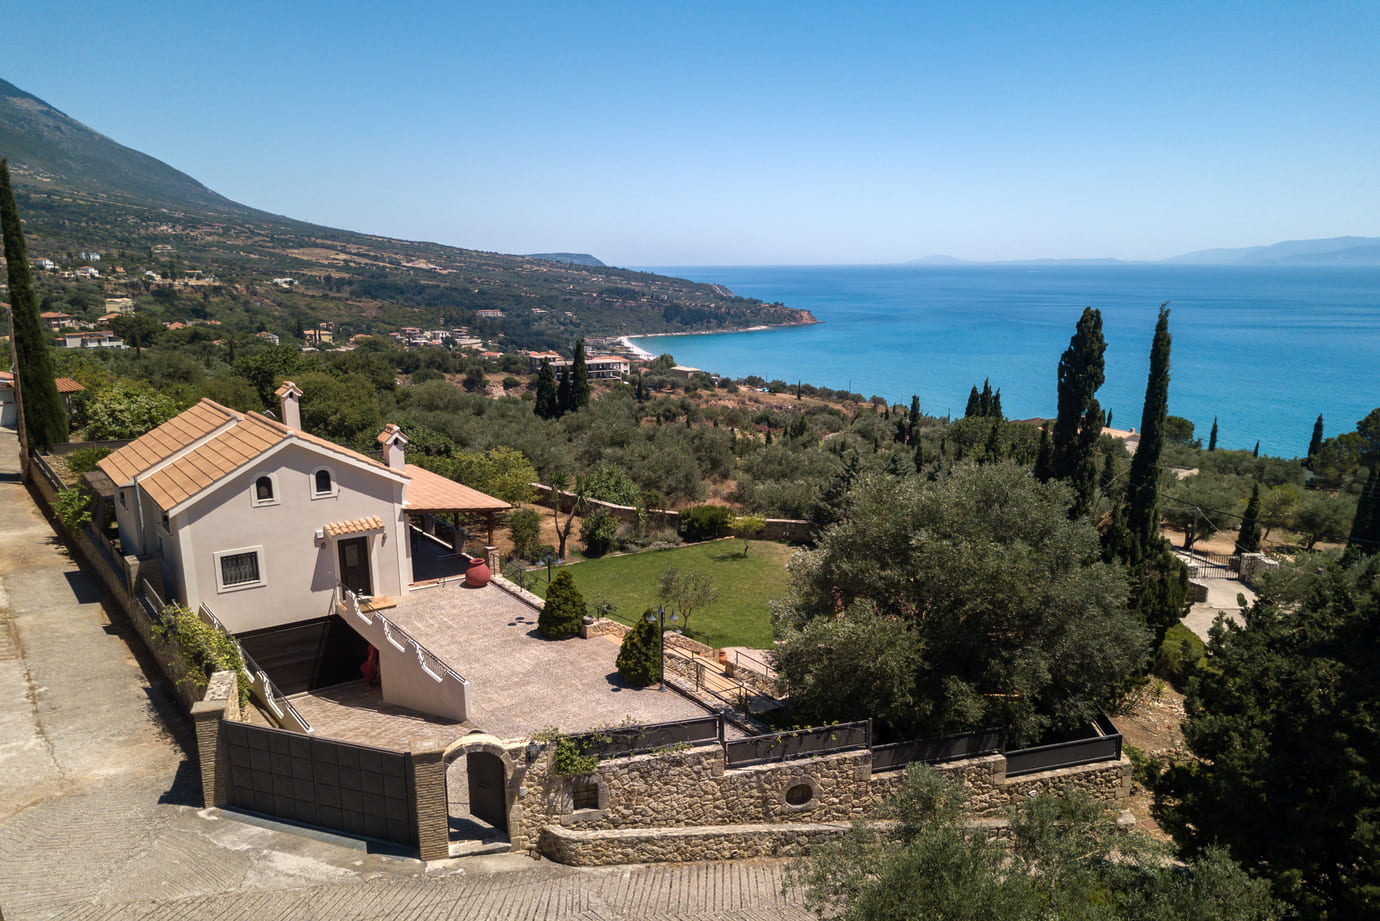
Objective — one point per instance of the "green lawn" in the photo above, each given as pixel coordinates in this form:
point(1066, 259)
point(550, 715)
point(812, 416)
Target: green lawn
point(741, 616)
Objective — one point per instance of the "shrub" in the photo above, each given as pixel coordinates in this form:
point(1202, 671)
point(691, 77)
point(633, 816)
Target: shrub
point(704, 522)
point(524, 527)
point(85, 459)
point(73, 509)
point(598, 531)
point(564, 608)
point(203, 648)
point(639, 658)
point(1180, 655)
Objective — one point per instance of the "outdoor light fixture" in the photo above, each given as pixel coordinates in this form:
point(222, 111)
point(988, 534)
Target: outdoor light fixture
point(659, 616)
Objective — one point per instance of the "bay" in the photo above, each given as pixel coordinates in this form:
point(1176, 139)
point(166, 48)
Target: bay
point(1263, 349)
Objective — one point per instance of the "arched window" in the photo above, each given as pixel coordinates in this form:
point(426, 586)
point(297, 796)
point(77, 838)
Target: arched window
point(323, 484)
point(263, 489)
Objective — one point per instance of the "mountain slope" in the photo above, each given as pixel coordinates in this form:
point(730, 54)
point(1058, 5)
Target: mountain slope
point(46, 147)
point(1329, 251)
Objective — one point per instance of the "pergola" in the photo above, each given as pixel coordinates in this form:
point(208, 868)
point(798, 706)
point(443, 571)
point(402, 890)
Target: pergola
point(432, 494)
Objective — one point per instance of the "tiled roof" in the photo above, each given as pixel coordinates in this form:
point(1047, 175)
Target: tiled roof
point(209, 457)
point(354, 526)
point(67, 385)
point(431, 492)
point(186, 428)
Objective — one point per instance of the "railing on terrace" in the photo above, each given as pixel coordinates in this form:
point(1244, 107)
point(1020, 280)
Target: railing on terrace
point(399, 638)
point(1104, 746)
point(753, 663)
point(938, 751)
point(260, 685)
point(800, 743)
point(733, 693)
point(621, 741)
point(151, 601)
point(40, 463)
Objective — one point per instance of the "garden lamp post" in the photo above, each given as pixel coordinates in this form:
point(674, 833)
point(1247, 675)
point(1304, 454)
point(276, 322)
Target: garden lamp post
point(659, 617)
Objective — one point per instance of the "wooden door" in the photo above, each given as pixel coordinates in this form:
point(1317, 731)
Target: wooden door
point(354, 565)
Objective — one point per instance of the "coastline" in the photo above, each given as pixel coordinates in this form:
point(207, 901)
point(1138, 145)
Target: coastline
point(642, 354)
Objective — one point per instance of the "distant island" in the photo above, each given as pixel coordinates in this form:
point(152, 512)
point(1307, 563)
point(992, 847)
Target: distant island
point(569, 259)
point(1327, 251)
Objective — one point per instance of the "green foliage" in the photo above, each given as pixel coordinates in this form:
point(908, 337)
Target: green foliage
point(610, 483)
point(1212, 437)
point(598, 531)
point(45, 417)
point(502, 472)
point(639, 656)
point(1248, 535)
point(83, 460)
point(564, 608)
point(1179, 431)
point(569, 758)
point(688, 590)
point(204, 649)
point(546, 406)
point(1283, 729)
point(524, 527)
point(1079, 420)
point(1066, 860)
point(966, 602)
point(705, 522)
point(747, 527)
point(1180, 656)
point(579, 379)
point(73, 508)
point(1143, 485)
point(340, 408)
point(126, 409)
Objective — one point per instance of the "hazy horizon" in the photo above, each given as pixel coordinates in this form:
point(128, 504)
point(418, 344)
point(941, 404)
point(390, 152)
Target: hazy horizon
point(812, 133)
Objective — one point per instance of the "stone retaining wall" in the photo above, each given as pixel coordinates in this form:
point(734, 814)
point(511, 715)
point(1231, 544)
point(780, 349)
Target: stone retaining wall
point(1254, 565)
point(692, 788)
point(782, 529)
point(714, 842)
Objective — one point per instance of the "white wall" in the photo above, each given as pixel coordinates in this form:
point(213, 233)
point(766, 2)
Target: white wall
point(299, 571)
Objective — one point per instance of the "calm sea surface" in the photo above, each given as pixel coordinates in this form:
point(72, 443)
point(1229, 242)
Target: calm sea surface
point(1265, 350)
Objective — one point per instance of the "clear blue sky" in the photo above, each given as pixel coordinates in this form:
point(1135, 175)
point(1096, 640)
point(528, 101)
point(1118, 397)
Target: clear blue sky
point(745, 132)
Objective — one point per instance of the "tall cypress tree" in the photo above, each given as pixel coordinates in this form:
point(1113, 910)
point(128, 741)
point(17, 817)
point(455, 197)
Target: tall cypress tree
point(1143, 487)
point(579, 386)
point(45, 418)
point(913, 421)
point(1212, 438)
point(1159, 582)
point(545, 405)
point(1365, 527)
point(974, 407)
point(563, 394)
point(1079, 420)
point(1044, 460)
point(1315, 443)
point(1248, 537)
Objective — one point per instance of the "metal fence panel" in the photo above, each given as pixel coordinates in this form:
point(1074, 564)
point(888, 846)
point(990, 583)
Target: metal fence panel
point(630, 740)
point(935, 751)
point(1104, 746)
point(804, 743)
point(350, 788)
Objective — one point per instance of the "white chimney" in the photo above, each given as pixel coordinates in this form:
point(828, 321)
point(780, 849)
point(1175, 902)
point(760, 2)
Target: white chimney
point(393, 441)
point(289, 401)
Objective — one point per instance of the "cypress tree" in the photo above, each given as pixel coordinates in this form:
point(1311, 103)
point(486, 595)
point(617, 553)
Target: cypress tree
point(1256, 452)
point(564, 394)
point(1159, 582)
point(45, 418)
point(639, 656)
point(1108, 423)
point(913, 421)
point(974, 407)
point(546, 406)
point(985, 398)
point(1079, 420)
point(1044, 460)
point(563, 610)
point(1315, 443)
point(919, 456)
point(996, 405)
point(1143, 488)
point(1365, 527)
point(1248, 537)
point(1212, 437)
point(579, 386)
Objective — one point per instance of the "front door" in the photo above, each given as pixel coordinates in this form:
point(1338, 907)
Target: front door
point(354, 565)
point(487, 799)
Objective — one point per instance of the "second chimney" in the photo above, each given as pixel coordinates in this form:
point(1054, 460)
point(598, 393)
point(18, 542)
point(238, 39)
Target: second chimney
point(393, 441)
point(289, 401)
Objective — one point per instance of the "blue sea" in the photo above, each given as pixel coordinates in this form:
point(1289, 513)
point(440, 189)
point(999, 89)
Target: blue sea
point(1262, 349)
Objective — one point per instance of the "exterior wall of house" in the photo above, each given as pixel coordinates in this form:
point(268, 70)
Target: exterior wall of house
point(298, 572)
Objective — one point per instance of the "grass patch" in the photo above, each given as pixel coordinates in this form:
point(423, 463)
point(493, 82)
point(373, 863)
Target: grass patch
point(741, 616)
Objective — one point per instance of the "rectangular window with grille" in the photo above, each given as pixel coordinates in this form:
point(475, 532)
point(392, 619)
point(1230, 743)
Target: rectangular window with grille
point(239, 569)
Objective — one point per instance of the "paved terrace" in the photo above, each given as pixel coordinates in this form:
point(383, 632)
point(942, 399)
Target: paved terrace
point(519, 682)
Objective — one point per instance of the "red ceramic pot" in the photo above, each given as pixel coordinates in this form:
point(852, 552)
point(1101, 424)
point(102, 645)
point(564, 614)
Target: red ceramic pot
point(477, 574)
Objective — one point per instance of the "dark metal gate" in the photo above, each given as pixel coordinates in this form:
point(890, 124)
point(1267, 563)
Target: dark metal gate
point(487, 799)
point(349, 788)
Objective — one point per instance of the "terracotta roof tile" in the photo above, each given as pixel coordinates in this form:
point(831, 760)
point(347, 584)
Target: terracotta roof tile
point(182, 430)
point(431, 492)
point(354, 526)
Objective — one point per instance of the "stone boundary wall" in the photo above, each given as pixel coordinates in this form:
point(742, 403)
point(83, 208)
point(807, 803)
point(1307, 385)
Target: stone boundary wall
point(712, 842)
point(691, 788)
point(1197, 592)
point(532, 600)
point(782, 529)
point(1254, 565)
